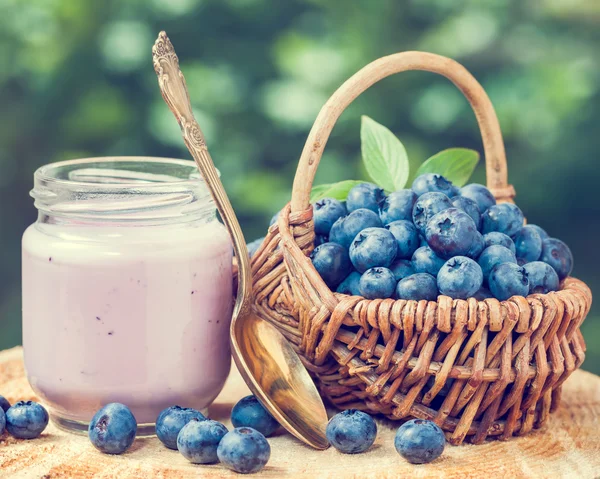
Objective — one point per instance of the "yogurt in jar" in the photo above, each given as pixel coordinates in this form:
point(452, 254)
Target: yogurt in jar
point(127, 289)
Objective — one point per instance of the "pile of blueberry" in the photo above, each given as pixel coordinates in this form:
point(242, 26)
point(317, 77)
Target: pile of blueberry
point(418, 441)
point(433, 239)
point(200, 440)
point(245, 449)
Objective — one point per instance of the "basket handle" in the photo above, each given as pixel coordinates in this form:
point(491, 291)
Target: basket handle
point(495, 157)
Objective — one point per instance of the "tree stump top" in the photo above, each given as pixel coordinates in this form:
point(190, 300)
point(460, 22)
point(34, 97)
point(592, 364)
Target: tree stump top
point(569, 446)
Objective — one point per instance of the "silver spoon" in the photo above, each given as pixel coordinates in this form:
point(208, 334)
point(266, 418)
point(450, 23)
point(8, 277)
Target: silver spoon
point(266, 361)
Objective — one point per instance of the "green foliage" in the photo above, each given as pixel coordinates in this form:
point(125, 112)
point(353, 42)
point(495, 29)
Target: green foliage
point(455, 164)
point(78, 81)
point(383, 154)
point(386, 162)
point(339, 190)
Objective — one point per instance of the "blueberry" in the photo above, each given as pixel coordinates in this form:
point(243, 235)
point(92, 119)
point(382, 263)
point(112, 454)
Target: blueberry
point(460, 278)
point(402, 268)
point(428, 205)
point(332, 262)
point(249, 412)
point(542, 277)
point(406, 235)
point(483, 293)
point(373, 247)
point(558, 255)
point(479, 194)
point(420, 441)
point(326, 212)
point(477, 246)
point(244, 450)
point(528, 243)
point(4, 404)
point(365, 195)
point(424, 260)
point(422, 240)
point(495, 237)
point(320, 239)
point(398, 206)
point(377, 283)
point(350, 284)
point(345, 229)
point(541, 231)
point(171, 420)
point(254, 245)
point(26, 419)
point(493, 255)
point(351, 431)
point(468, 206)
point(2, 421)
point(417, 286)
point(112, 429)
point(505, 218)
point(431, 182)
point(507, 280)
point(451, 233)
point(275, 218)
point(198, 441)
point(445, 388)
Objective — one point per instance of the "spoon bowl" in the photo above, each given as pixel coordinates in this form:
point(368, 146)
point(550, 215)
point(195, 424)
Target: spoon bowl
point(267, 362)
point(275, 374)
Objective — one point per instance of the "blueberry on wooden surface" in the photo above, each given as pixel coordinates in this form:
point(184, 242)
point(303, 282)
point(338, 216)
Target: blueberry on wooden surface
point(170, 421)
point(244, 450)
point(112, 429)
point(4, 404)
point(351, 431)
point(198, 441)
point(420, 441)
point(249, 412)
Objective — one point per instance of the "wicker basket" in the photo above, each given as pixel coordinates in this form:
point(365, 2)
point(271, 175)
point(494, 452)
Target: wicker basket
point(477, 368)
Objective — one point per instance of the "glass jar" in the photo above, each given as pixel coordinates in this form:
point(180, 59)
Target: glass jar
point(127, 289)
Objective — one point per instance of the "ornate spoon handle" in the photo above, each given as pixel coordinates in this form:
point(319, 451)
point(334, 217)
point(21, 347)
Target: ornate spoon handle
point(174, 91)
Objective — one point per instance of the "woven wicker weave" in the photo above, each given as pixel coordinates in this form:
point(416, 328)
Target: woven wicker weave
point(478, 369)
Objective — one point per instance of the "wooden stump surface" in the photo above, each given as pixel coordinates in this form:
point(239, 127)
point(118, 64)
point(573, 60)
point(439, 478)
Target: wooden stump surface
point(568, 447)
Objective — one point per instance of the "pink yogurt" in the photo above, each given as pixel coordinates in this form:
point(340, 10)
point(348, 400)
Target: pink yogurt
point(126, 312)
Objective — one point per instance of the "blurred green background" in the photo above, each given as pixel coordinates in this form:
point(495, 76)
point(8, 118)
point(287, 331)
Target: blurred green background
point(77, 81)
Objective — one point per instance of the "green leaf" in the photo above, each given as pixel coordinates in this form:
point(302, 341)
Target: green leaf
point(339, 191)
point(454, 164)
point(384, 155)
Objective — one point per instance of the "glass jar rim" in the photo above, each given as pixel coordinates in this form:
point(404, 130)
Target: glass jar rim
point(122, 188)
point(42, 173)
